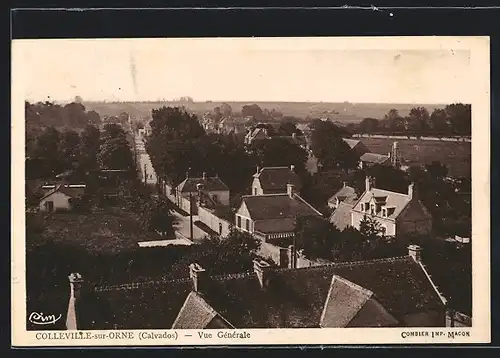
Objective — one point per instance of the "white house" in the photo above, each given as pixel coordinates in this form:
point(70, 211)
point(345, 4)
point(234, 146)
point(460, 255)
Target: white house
point(59, 199)
point(397, 213)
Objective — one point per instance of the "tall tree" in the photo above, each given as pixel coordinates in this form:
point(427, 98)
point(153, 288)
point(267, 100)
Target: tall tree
point(417, 120)
point(115, 152)
point(438, 122)
point(460, 118)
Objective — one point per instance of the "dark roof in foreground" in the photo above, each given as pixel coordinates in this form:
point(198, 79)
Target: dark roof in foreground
point(291, 298)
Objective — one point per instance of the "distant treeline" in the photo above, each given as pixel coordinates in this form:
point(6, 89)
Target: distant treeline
point(452, 120)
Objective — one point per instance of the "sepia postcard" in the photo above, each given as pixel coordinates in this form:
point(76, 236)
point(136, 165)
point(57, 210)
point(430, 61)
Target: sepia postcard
point(250, 191)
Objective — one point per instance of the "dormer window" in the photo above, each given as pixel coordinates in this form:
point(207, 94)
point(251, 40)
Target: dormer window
point(372, 209)
point(384, 212)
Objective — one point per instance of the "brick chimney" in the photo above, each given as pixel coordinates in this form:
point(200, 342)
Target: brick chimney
point(196, 273)
point(75, 283)
point(290, 189)
point(414, 252)
point(204, 176)
point(368, 183)
point(261, 269)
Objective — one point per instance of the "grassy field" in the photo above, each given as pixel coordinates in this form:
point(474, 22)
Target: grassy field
point(106, 232)
point(344, 112)
point(455, 155)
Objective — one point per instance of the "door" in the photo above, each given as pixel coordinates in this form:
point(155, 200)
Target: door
point(49, 206)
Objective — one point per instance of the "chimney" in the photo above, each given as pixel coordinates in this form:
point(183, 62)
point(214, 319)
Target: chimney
point(75, 283)
point(290, 189)
point(292, 255)
point(411, 190)
point(195, 273)
point(344, 184)
point(292, 168)
point(414, 252)
point(261, 269)
point(204, 176)
point(368, 183)
point(294, 135)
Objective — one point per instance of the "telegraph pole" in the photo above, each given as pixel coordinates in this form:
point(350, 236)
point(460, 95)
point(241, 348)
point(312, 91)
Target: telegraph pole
point(191, 216)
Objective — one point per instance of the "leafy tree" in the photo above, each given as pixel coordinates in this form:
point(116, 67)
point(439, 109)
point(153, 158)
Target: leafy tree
point(395, 122)
point(115, 152)
point(370, 227)
point(69, 146)
point(89, 148)
point(174, 123)
point(369, 125)
point(226, 110)
point(254, 111)
point(418, 120)
point(460, 118)
point(288, 128)
point(438, 122)
point(279, 152)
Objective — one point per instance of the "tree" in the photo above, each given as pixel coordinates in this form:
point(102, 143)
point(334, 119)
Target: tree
point(89, 148)
point(115, 152)
point(226, 110)
point(436, 170)
point(69, 146)
point(174, 123)
point(46, 153)
point(438, 122)
point(369, 125)
point(315, 236)
point(370, 227)
point(395, 122)
point(288, 128)
point(279, 152)
point(252, 110)
point(418, 120)
point(460, 118)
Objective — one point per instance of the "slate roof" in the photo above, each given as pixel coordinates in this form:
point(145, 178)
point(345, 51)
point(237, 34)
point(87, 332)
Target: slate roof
point(346, 194)
point(209, 184)
point(350, 305)
point(196, 313)
point(374, 158)
point(277, 206)
point(274, 179)
point(292, 298)
point(389, 198)
point(341, 216)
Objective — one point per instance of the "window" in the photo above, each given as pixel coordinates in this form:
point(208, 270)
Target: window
point(220, 228)
point(247, 226)
point(372, 211)
point(215, 198)
point(383, 230)
point(238, 219)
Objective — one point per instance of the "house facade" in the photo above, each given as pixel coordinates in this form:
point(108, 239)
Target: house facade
point(60, 198)
point(397, 213)
point(272, 215)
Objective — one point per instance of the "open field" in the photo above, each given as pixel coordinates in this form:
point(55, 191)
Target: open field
point(343, 112)
point(455, 155)
point(105, 232)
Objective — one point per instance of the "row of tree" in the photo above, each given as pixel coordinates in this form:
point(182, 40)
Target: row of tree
point(452, 120)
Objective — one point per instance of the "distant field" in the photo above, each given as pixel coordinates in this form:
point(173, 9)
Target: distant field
point(96, 232)
point(343, 112)
point(455, 155)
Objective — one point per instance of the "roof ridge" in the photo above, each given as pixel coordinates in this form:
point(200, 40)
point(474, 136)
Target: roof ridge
point(138, 284)
point(350, 263)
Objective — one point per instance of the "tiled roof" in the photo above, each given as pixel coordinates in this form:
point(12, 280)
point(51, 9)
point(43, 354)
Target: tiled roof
point(390, 199)
point(196, 314)
point(209, 184)
point(350, 305)
point(275, 225)
point(341, 216)
point(291, 297)
point(346, 194)
point(374, 158)
point(277, 206)
point(275, 179)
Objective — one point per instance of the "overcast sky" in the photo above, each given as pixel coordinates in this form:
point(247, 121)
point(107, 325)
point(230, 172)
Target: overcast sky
point(244, 70)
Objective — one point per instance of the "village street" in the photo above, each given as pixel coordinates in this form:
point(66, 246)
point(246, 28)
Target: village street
point(182, 223)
